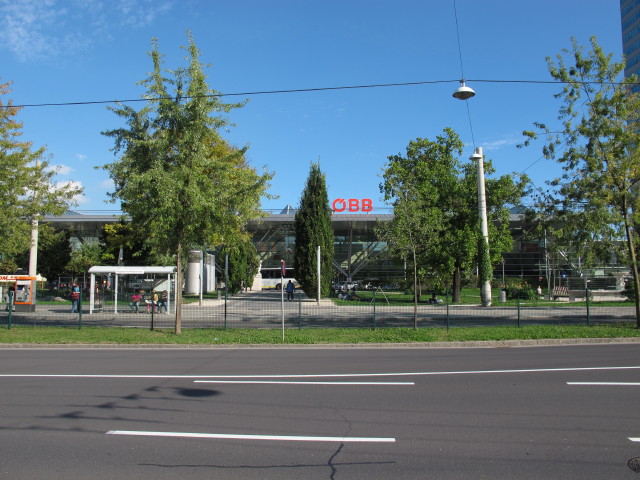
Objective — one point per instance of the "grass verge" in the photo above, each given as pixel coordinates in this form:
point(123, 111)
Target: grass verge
point(129, 336)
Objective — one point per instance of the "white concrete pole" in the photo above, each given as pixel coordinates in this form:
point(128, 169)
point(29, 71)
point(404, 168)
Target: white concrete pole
point(485, 292)
point(33, 249)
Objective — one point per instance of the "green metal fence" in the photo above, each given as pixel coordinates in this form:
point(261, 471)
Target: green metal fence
point(376, 309)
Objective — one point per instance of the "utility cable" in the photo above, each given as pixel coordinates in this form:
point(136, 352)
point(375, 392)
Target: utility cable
point(302, 90)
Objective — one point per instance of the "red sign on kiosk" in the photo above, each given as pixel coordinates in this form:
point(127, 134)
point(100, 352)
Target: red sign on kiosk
point(352, 205)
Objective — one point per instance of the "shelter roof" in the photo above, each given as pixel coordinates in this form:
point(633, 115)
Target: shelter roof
point(132, 270)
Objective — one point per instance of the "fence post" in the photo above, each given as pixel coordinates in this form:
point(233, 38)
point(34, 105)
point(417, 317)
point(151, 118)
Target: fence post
point(446, 293)
point(300, 310)
point(80, 310)
point(226, 287)
point(518, 303)
point(374, 309)
point(586, 291)
point(10, 305)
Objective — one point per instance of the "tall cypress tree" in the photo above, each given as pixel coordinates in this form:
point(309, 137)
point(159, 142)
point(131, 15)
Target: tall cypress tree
point(313, 229)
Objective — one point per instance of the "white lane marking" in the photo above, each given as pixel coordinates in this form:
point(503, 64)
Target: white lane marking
point(634, 439)
point(633, 384)
point(282, 382)
point(289, 438)
point(327, 375)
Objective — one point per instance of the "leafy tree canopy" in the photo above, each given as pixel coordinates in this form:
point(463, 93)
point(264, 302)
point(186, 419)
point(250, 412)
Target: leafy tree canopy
point(243, 264)
point(182, 185)
point(26, 183)
point(434, 197)
point(87, 256)
point(54, 252)
point(595, 201)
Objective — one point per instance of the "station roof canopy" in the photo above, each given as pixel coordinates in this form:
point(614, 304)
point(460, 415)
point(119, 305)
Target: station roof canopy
point(132, 270)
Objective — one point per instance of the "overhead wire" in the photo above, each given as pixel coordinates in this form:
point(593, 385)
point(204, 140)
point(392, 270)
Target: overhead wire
point(455, 13)
point(297, 90)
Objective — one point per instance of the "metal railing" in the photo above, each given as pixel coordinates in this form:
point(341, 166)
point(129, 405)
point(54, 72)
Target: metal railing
point(265, 309)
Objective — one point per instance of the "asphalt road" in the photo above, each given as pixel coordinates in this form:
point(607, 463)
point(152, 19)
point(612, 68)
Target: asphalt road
point(301, 413)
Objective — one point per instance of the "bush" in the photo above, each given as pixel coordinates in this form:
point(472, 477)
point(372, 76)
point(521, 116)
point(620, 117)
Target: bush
point(628, 290)
point(523, 292)
point(470, 281)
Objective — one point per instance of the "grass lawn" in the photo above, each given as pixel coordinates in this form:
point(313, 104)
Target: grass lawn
point(128, 336)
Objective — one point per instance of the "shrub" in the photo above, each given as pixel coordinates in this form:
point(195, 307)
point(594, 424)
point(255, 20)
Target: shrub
point(523, 292)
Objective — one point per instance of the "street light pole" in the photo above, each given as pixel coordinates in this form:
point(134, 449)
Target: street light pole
point(464, 93)
point(485, 288)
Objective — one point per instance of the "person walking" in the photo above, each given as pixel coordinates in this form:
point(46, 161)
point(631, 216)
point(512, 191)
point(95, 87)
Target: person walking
point(290, 289)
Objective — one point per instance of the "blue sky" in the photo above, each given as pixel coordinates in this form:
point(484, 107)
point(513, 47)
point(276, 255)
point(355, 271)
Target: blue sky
point(86, 50)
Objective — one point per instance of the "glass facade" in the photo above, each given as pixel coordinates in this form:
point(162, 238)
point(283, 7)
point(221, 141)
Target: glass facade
point(359, 254)
point(357, 251)
point(630, 19)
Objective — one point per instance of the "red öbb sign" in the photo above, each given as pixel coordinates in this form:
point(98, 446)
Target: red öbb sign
point(352, 205)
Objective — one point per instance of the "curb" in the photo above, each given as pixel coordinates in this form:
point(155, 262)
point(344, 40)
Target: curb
point(332, 346)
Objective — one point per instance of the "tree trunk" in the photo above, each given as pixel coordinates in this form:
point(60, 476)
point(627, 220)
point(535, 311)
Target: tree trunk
point(456, 284)
point(178, 325)
point(634, 264)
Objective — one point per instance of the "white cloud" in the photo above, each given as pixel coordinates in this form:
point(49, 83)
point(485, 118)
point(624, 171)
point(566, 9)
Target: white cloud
point(80, 156)
point(506, 141)
point(34, 29)
point(79, 198)
point(40, 29)
point(140, 13)
point(107, 184)
point(60, 169)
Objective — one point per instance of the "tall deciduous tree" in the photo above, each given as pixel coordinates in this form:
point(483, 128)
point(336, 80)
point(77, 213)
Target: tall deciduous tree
point(126, 238)
point(27, 190)
point(595, 201)
point(409, 185)
point(462, 241)
point(54, 252)
point(313, 229)
point(434, 197)
point(182, 185)
point(82, 259)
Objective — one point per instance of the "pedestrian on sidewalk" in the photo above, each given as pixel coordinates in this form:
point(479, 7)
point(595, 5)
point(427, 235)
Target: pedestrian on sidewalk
point(290, 289)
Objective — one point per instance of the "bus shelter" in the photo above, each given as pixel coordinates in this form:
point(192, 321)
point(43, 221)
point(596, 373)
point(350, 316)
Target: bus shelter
point(106, 273)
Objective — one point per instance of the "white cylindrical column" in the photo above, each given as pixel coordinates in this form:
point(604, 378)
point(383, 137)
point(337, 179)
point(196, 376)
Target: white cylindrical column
point(192, 280)
point(485, 292)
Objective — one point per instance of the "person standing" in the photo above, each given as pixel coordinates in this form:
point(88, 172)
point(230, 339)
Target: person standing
point(163, 301)
point(290, 289)
point(153, 303)
point(75, 297)
point(10, 297)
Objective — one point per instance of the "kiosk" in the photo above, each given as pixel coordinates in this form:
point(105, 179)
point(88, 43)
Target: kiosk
point(24, 299)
